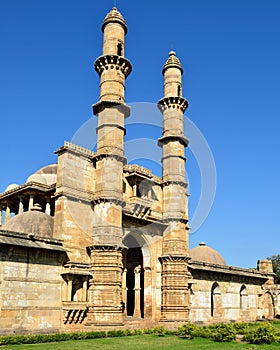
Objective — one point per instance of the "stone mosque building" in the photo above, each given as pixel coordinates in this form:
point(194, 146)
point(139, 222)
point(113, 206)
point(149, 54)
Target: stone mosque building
point(95, 243)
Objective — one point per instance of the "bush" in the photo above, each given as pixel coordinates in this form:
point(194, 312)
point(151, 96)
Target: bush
point(160, 331)
point(241, 327)
point(203, 332)
point(224, 333)
point(115, 333)
point(187, 331)
point(263, 334)
point(148, 331)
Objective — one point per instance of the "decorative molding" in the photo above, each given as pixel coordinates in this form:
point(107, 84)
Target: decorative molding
point(113, 62)
point(178, 103)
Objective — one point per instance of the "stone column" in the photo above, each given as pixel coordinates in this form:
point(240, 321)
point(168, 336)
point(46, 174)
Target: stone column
point(69, 290)
point(8, 213)
point(124, 291)
point(147, 292)
point(137, 304)
point(85, 283)
point(20, 207)
point(31, 201)
point(134, 190)
point(48, 207)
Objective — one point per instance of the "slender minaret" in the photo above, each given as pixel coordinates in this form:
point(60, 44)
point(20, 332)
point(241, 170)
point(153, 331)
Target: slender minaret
point(175, 298)
point(106, 251)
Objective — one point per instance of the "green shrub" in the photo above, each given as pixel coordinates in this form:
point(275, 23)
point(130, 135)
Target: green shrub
point(127, 332)
point(187, 331)
point(137, 332)
point(148, 331)
point(202, 332)
point(115, 333)
point(241, 327)
point(263, 334)
point(224, 333)
point(160, 331)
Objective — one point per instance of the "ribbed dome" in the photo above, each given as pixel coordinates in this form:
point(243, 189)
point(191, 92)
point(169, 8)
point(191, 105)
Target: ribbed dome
point(31, 222)
point(46, 175)
point(206, 254)
point(114, 16)
point(172, 62)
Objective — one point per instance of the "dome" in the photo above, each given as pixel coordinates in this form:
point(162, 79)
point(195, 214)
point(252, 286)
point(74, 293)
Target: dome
point(114, 16)
point(11, 187)
point(172, 62)
point(48, 169)
point(31, 222)
point(206, 254)
point(46, 175)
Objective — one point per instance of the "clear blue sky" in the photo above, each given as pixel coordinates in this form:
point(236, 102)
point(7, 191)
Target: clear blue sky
point(230, 52)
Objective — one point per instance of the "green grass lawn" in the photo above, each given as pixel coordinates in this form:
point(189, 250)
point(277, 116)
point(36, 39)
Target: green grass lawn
point(141, 342)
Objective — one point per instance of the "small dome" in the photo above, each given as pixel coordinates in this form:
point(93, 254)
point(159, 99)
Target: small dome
point(172, 62)
point(206, 254)
point(114, 16)
point(31, 222)
point(11, 187)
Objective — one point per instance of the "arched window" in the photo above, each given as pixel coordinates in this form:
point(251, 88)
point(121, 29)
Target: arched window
point(243, 298)
point(215, 298)
point(120, 49)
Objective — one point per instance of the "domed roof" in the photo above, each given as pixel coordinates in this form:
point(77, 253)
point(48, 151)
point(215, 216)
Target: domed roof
point(46, 175)
point(172, 62)
point(31, 222)
point(47, 169)
point(11, 187)
point(206, 254)
point(114, 16)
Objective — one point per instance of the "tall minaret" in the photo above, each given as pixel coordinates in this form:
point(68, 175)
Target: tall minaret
point(175, 299)
point(106, 251)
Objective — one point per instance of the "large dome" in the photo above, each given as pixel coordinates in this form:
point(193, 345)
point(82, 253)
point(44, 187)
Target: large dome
point(206, 254)
point(46, 175)
point(31, 222)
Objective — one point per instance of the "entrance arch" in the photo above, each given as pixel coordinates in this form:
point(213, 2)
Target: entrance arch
point(267, 306)
point(137, 301)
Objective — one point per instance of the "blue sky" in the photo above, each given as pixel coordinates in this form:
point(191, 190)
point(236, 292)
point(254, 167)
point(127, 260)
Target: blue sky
point(230, 53)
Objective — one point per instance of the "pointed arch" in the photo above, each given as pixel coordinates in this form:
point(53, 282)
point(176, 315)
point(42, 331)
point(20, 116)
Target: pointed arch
point(243, 298)
point(215, 298)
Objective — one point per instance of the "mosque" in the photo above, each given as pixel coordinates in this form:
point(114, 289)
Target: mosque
point(93, 242)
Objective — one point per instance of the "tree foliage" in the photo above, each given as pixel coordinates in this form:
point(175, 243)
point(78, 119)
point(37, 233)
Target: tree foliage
point(276, 267)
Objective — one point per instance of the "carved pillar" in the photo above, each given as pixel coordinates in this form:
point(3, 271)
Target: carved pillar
point(69, 290)
point(147, 292)
point(124, 291)
point(8, 213)
point(31, 201)
point(48, 207)
point(137, 289)
point(20, 207)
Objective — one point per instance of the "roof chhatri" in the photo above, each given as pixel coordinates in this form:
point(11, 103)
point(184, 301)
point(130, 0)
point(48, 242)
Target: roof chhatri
point(172, 62)
point(114, 16)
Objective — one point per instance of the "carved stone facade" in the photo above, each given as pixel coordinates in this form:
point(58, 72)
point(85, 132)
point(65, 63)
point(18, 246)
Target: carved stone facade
point(94, 243)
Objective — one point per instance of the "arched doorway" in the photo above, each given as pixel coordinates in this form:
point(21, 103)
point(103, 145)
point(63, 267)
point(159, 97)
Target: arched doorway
point(216, 301)
point(267, 306)
point(135, 264)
